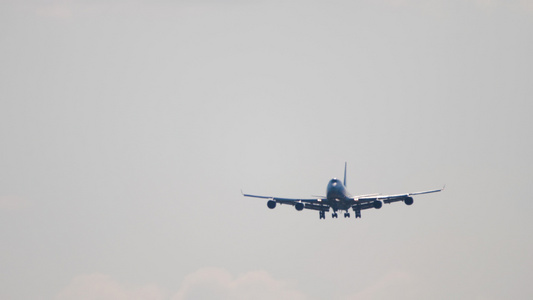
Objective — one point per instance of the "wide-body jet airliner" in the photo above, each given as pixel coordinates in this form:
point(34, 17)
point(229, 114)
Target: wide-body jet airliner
point(338, 198)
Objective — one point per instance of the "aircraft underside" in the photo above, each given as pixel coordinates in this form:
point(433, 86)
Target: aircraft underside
point(345, 205)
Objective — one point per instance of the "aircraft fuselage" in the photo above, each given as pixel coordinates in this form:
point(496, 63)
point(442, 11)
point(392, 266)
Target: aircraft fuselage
point(337, 195)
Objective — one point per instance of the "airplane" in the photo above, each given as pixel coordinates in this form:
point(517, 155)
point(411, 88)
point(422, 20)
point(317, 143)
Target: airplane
point(338, 198)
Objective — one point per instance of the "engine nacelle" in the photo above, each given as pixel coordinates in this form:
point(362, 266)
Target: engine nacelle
point(378, 204)
point(408, 200)
point(299, 206)
point(271, 204)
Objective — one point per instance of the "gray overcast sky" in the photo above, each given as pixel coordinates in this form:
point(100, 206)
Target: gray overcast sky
point(128, 129)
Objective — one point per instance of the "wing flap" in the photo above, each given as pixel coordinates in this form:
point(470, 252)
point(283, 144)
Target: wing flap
point(316, 207)
point(364, 205)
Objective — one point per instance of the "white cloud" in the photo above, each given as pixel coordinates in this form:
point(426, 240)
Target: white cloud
point(13, 203)
point(481, 4)
point(58, 9)
point(527, 4)
point(103, 287)
point(207, 283)
point(393, 285)
point(215, 283)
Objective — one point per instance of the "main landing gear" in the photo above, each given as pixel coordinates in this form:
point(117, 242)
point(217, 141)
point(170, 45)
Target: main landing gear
point(334, 215)
point(322, 214)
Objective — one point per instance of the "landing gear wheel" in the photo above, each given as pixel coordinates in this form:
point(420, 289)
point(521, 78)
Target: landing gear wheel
point(347, 215)
point(322, 214)
point(334, 215)
point(357, 214)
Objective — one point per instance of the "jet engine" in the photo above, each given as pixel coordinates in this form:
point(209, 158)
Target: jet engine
point(271, 204)
point(408, 200)
point(299, 206)
point(377, 204)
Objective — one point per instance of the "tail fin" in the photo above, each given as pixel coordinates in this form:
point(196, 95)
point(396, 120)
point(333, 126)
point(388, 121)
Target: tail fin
point(345, 166)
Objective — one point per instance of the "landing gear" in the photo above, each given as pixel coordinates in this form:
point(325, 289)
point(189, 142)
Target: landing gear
point(322, 214)
point(334, 215)
point(346, 214)
point(357, 214)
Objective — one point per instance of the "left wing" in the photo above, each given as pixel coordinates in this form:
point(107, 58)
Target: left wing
point(291, 201)
point(407, 198)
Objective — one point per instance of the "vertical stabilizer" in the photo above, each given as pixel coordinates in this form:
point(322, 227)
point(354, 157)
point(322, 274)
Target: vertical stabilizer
point(345, 165)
